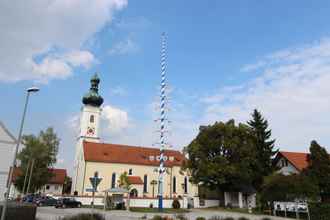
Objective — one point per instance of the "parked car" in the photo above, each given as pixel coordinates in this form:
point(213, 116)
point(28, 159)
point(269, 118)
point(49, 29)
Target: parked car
point(31, 198)
point(67, 202)
point(46, 201)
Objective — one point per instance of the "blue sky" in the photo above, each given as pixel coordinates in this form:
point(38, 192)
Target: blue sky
point(223, 60)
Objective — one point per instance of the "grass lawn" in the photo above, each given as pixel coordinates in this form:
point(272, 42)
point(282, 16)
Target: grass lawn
point(239, 210)
point(155, 210)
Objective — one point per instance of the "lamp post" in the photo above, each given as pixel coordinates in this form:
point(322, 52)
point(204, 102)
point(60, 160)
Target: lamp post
point(11, 169)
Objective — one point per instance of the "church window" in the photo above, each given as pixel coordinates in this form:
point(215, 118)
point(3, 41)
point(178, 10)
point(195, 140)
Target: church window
point(113, 180)
point(145, 183)
point(91, 119)
point(185, 184)
point(174, 184)
point(130, 172)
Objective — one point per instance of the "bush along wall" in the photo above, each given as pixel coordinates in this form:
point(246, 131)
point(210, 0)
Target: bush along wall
point(20, 211)
point(319, 211)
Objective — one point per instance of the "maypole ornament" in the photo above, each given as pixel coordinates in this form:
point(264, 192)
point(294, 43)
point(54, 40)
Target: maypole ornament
point(161, 169)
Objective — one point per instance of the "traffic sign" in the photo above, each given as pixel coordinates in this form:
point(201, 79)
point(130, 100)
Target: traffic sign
point(95, 181)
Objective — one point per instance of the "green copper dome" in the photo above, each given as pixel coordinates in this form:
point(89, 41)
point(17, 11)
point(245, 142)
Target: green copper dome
point(92, 97)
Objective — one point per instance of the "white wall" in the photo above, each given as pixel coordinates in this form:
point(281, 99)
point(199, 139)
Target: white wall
point(286, 170)
point(7, 146)
point(145, 202)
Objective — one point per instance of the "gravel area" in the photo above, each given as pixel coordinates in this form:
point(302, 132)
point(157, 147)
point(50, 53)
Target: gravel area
point(50, 213)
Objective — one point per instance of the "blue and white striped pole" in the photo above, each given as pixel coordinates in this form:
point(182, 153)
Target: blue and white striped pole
point(162, 125)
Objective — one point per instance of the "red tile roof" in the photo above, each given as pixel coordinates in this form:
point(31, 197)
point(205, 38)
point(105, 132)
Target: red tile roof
point(115, 153)
point(57, 178)
point(135, 180)
point(298, 160)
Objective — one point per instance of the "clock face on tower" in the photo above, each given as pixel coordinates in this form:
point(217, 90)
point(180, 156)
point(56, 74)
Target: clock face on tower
point(90, 131)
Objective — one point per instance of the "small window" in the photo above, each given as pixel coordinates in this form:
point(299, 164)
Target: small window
point(185, 185)
point(47, 187)
point(113, 180)
point(91, 119)
point(145, 183)
point(130, 172)
point(174, 184)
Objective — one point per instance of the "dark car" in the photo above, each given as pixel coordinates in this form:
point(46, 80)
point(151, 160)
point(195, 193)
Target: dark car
point(67, 202)
point(31, 198)
point(46, 201)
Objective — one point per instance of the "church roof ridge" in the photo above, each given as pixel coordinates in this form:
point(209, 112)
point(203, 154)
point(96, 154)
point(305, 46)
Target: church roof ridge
point(126, 154)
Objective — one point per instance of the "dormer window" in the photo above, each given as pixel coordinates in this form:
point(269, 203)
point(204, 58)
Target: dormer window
point(91, 119)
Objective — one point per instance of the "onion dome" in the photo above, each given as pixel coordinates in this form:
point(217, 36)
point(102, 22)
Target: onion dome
point(92, 97)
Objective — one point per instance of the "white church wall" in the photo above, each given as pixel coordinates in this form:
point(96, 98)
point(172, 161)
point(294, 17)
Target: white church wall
point(105, 171)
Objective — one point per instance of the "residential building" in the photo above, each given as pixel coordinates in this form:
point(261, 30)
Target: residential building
point(7, 146)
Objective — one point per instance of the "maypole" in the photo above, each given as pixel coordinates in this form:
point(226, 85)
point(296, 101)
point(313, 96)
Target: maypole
point(161, 169)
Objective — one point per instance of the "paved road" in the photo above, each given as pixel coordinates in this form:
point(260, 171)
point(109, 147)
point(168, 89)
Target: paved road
point(50, 213)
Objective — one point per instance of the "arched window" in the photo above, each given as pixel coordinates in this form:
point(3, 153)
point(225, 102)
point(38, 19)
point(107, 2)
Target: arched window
point(185, 184)
point(174, 184)
point(113, 180)
point(145, 183)
point(91, 119)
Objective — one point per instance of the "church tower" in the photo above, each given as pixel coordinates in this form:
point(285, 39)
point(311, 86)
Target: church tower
point(89, 130)
point(91, 112)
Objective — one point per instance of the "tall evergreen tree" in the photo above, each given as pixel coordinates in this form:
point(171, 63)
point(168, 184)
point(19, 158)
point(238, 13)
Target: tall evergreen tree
point(319, 169)
point(264, 148)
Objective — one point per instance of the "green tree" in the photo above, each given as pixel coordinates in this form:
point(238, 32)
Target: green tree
point(67, 185)
point(153, 183)
point(125, 184)
point(278, 187)
point(221, 156)
point(319, 168)
point(264, 148)
point(39, 153)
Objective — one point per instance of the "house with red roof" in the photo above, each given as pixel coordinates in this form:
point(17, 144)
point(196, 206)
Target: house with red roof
point(291, 162)
point(54, 186)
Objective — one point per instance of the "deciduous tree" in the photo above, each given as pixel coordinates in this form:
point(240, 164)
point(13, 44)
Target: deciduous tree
point(221, 156)
point(41, 151)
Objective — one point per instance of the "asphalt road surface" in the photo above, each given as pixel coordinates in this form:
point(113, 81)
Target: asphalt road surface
point(51, 213)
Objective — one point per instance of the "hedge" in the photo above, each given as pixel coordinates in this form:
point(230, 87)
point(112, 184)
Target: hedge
point(20, 211)
point(319, 211)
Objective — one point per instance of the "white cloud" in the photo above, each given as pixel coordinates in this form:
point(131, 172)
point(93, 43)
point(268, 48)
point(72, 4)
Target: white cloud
point(116, 119)
point(37, 27)
point(118, 91)
point(292, 92)
point(124, 47)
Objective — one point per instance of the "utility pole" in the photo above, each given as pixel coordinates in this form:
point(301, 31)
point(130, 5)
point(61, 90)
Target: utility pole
point(30, 177)
point(11, 170)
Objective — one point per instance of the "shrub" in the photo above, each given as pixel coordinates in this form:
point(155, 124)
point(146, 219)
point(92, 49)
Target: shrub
point(176, 204)
point(243, 218)
point(20, 211)
point(319, 211)
point(200, 218)
point(157, 217)
point(228, 218)
point(151, 205)
point(85, 216)
point(215, 217)
point(181, 217)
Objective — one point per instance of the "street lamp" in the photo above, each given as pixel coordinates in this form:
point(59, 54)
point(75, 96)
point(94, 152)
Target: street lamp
point(11, 169)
